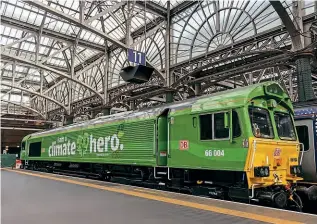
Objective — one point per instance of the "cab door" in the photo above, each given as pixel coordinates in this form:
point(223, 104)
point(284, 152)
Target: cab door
point(306, 135)
point(161, 139)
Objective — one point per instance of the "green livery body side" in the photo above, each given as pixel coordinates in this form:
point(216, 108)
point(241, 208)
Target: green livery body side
point(168, 135)
point(184, 130)
point(117, 143)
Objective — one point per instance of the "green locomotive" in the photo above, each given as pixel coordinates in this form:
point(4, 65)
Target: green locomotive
point(240, 144)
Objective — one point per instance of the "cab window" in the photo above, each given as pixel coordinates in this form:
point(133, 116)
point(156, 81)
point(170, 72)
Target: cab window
point(236, 130)
point(35, 149)
point(284, 126)
point(261, 122)
point(219, 126)
point(205, 126)
point(212, 126)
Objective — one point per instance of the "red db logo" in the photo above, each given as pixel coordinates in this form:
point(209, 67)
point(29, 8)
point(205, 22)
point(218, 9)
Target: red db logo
point(183, 144)
point(277, 152)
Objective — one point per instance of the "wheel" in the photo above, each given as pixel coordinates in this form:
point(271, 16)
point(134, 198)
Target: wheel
point(144, 175)
point(108, 178)
point(280, 200)
point(101, 176)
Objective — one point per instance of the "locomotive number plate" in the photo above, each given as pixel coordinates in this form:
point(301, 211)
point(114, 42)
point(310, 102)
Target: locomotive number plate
point(183, 145)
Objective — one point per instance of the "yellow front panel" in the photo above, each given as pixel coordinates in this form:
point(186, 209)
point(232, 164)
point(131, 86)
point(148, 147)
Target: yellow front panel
point(278, 155)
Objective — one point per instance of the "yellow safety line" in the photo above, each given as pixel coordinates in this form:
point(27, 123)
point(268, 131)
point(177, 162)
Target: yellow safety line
point(205, 207)
point(152, 192)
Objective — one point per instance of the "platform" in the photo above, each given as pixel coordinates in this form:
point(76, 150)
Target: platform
point(33, 197)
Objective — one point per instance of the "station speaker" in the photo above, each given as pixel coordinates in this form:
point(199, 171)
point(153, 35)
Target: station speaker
point(136, 74)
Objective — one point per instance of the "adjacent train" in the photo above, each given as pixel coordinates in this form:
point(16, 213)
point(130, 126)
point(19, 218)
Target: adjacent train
point(239, 144)
point(306, 125)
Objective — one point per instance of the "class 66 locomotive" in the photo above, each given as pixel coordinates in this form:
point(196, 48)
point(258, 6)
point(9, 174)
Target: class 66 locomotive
point(239, 144)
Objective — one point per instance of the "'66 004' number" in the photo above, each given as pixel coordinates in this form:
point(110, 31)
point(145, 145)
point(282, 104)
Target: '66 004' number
point(215, 152)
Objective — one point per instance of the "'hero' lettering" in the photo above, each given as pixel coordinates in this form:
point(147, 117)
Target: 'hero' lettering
point(96, 145)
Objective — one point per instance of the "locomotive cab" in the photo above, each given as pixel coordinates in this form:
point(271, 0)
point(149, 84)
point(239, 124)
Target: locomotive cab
point(273, 165)
point(23, 154)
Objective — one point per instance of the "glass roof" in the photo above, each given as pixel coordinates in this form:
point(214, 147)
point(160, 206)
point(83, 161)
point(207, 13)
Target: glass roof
point(163, 3)
point(54, 52)
point(52, 46)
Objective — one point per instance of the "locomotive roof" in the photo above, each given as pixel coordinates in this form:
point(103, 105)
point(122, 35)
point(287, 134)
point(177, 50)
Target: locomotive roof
point(241, 93)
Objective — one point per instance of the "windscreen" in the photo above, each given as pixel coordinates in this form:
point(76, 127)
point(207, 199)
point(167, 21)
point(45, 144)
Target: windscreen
point(284, 125)
point(261, 122)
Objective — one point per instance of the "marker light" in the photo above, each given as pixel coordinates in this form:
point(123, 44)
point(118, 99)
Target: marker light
point(296, 170)
point(262, 171)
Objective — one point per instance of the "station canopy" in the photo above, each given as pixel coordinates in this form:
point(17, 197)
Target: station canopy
point(43, 43)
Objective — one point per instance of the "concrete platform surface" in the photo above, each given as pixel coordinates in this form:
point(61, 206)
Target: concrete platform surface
point(32, 197)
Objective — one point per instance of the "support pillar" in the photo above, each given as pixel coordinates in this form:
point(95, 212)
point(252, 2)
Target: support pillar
point(93, 114)
point(106, 111)
point(168, 73)
point(290, 84)
point(68, 120)
point(304, 79)
point(72, 74)
point(250, 78)
point(197, 89)
point(197, 86)
point(298, 14)
point(132, 105)
point(106, 77)
point(169, 97)
point(128, 37)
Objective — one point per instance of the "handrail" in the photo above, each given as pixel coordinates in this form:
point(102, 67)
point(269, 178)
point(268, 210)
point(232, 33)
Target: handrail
point(168, 137)
point(155, 177)
point(154, 140)
point(252, 191)
point(273, 141)
point(253, 154)
point(302, 155)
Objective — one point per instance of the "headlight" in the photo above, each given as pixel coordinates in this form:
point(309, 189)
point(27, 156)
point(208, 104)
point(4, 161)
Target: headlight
point(296, 170)
point(262, 171)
